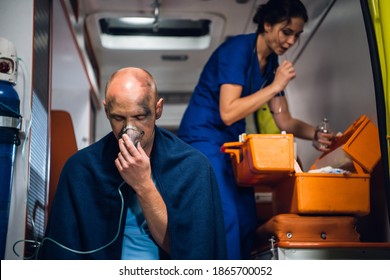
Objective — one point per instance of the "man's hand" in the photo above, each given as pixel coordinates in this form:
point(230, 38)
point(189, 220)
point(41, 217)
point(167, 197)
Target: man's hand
point(133, 164)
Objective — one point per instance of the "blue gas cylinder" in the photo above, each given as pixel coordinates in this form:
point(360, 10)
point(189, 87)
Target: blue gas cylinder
point(9, 139)
point(9, 107)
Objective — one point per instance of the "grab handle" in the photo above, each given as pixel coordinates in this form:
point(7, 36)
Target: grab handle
point(234, 149)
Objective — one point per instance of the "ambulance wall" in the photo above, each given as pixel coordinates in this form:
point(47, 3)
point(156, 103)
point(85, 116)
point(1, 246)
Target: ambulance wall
point(334, 76)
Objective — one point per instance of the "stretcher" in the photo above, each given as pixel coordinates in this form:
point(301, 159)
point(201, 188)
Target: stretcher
point(323, 251)
point(297, 237)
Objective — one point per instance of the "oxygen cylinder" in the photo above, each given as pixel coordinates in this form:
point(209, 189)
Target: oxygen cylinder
point(10, 122)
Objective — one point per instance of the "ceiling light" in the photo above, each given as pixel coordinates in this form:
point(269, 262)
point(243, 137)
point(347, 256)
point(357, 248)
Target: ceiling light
point(137, 20)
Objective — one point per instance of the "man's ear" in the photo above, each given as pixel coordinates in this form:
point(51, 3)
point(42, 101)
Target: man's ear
point(105, 107)
point(159, 108)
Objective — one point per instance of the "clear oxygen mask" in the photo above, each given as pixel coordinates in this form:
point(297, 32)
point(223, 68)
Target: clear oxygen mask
point(135, 134)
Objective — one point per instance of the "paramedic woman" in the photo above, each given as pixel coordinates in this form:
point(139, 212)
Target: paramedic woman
point(242, 75)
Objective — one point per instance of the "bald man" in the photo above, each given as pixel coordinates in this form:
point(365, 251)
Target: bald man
point(139, 192)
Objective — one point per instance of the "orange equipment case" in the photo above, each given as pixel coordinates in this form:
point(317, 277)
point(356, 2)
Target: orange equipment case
point(318, 193)
point(262, 159)
point(298, 228)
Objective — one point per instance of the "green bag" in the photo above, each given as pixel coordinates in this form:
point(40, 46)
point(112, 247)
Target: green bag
point(265, 122)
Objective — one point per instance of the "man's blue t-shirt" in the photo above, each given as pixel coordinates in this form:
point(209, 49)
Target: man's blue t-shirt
point(138, 243)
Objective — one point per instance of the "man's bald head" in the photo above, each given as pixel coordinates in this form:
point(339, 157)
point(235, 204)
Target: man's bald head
point(135, 74)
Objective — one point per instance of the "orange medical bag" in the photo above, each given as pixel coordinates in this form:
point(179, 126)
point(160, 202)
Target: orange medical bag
point(298, 228)
point(261, 159)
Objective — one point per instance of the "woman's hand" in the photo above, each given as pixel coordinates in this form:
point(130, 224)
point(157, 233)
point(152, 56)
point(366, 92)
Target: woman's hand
point(322, 141)
point(284, 74)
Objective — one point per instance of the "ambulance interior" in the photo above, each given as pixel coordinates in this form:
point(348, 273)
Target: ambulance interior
point(301, 215)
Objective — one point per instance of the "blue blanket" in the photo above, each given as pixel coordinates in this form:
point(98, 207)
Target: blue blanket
point(85, 216)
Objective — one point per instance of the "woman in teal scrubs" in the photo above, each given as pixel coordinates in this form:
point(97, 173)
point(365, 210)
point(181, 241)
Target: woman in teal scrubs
point(242, 75)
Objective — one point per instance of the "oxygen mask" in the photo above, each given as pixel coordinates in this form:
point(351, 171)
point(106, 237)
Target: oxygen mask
point(135, 134)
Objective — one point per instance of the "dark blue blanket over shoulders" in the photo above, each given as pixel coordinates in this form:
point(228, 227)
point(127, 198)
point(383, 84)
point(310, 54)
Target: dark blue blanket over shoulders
point(87, 208)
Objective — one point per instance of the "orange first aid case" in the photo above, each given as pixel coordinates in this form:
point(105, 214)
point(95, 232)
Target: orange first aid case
point(357, 150)
point(292, 236)
point(261, 158)
point(298, 228)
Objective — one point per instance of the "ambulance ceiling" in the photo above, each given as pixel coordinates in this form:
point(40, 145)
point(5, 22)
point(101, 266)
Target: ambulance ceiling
point(170, 38)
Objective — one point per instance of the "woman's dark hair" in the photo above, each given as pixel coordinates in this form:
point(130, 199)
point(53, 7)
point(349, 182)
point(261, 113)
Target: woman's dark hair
point(275, 11)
